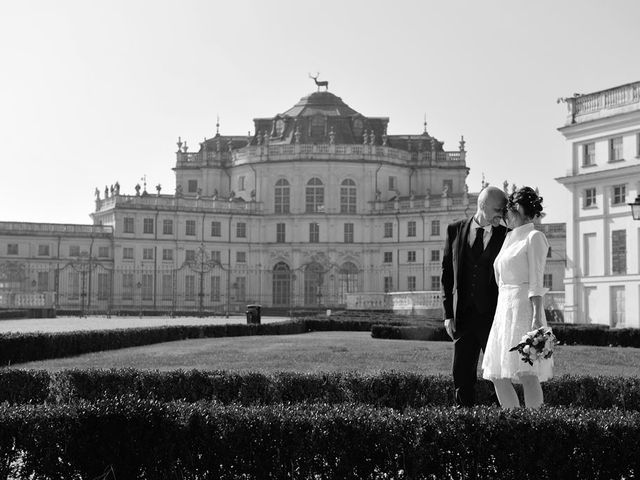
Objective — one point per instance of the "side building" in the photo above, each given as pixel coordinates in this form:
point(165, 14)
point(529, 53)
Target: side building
point(602, 279)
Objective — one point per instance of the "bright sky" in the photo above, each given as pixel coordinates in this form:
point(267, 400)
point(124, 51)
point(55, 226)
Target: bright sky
point(97, 91)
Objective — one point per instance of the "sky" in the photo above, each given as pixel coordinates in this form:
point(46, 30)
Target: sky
point(94, 92)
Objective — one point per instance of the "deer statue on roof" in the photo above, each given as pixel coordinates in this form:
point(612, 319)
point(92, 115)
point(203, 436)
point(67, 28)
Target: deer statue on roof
point(323, 83)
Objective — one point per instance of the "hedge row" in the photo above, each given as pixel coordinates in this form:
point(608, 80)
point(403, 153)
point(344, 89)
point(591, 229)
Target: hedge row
point(392, 389)
point(565, 333)
point(31, 346)
point(135, 438)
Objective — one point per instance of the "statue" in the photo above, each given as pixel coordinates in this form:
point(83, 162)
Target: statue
point(297, 134)
point(158, 188)
point(137, 187)
point(462, 143)
point(116, 188)
point(445, 190)
point(97, 194)
point(215, 193)
point(253, 194)
point(111, 190)
point(106, 192)
point(259, 137)
point(365, 137)
point(178, 190)
point(332, 137)
point(372, 138)
point(199, 192)
point(323, 83)
point(505, 187)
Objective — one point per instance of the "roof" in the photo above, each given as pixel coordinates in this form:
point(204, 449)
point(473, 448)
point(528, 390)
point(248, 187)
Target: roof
point(323, 103)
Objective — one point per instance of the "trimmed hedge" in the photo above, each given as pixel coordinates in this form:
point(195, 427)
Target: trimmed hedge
point(26, 347)
point(391, 389)
point(135, 438)
point(568, 334)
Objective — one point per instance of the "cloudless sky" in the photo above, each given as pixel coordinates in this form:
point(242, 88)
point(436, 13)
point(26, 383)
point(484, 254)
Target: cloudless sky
point(97, 91)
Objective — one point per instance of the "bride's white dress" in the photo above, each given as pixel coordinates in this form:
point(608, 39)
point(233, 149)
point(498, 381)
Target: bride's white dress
point(519, 271)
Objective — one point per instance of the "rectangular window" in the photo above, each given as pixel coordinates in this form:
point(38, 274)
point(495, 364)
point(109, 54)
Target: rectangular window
point(74, 285)
point(192, 186)
point(388, 284)
point(147, 225)
point(241, 183)
point(167, 227)
point(147, 253)
point(147, 286)
point(615, 149)
point(167, 254)
point(190, 228)
point(215, 288)
point(435, 283)
point(104, 286)
point(588, 154)
point(618, 252)
point(43, 250)
point(190, 287)
point(43, 281)
point(280, 232)
point(435, 255)
point(348, 233)
point(393, 183)
point(103, 252)
point(411, 283)
point(388, 230)
point(314, 233)
point(128, 225)
point(189, 255)
point(411, 229)
point(241, 230)
point(591, 261)
point(547, 280)
point(215, 256)
point(127, 286)
point(241, 288)
point(241, 257)
point(12, 249)
point(619, 195)
point(589, 197)
point(435, 228)
point(618, 302)
point(411, 256)
point(387, 257)
point(74, 251)
point(127, 253)
point(216, 229)
point(167, 286)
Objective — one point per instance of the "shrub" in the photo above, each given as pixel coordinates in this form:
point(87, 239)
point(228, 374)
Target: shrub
point(24, 386)
point(153, 440)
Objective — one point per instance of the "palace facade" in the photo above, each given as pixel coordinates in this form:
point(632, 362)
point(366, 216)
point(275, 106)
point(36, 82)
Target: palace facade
point(321, 206)
point(602, 280)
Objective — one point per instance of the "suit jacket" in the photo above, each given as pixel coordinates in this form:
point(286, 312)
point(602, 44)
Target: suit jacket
point(452, 264)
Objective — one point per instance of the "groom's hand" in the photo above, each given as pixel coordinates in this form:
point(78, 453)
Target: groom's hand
point(448, 325)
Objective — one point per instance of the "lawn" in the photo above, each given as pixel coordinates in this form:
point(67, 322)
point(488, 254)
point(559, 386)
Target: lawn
point(327, 351)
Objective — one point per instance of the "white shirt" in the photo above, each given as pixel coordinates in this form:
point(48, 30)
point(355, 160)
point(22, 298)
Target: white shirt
point(473, 228)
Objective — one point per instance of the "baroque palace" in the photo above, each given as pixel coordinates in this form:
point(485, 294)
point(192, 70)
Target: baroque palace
point(321, 207)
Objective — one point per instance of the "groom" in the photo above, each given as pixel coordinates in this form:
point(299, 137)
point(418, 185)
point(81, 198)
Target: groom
point(470, 293)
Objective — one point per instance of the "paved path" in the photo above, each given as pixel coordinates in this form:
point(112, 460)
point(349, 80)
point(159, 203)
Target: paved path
point(67, 324)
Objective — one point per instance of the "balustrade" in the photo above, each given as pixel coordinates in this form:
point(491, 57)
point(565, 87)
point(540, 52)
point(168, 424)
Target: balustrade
point(607, 99)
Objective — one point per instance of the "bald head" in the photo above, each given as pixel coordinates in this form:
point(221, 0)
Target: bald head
point(491, 203)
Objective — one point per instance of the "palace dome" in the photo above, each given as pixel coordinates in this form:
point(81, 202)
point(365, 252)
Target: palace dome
point(323, 103)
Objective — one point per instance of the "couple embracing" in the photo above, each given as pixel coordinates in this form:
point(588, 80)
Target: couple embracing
point(492, 279)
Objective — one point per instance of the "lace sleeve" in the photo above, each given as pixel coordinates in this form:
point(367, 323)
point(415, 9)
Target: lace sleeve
point(537, 248)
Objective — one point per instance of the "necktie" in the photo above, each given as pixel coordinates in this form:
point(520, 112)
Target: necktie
point(478, 243)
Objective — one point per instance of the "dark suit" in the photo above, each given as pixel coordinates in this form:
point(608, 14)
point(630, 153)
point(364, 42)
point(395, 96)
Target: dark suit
point(470, 295)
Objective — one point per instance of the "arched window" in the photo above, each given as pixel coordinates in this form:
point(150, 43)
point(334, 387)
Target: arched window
point(314, 196)
point(347, 280)
point(317, 127)
point(348, 196)
point(282, 196)
point(281, 284)
point(313, 280)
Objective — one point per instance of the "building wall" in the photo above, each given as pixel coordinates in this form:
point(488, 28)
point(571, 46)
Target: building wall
point(603, 268)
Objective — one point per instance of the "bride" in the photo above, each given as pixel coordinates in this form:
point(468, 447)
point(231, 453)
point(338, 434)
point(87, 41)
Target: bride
point(519, 269)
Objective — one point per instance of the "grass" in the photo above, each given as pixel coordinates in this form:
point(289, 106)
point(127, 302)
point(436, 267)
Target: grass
point(327, 351)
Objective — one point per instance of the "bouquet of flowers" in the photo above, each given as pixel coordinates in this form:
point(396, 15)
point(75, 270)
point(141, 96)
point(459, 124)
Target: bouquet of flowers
point(536, 345)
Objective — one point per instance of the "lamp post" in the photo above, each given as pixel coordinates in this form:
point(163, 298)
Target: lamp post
point(635, 208)
point(139, 287)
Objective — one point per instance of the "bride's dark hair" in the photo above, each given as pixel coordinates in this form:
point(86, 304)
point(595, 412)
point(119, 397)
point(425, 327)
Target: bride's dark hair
point(528, 199)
